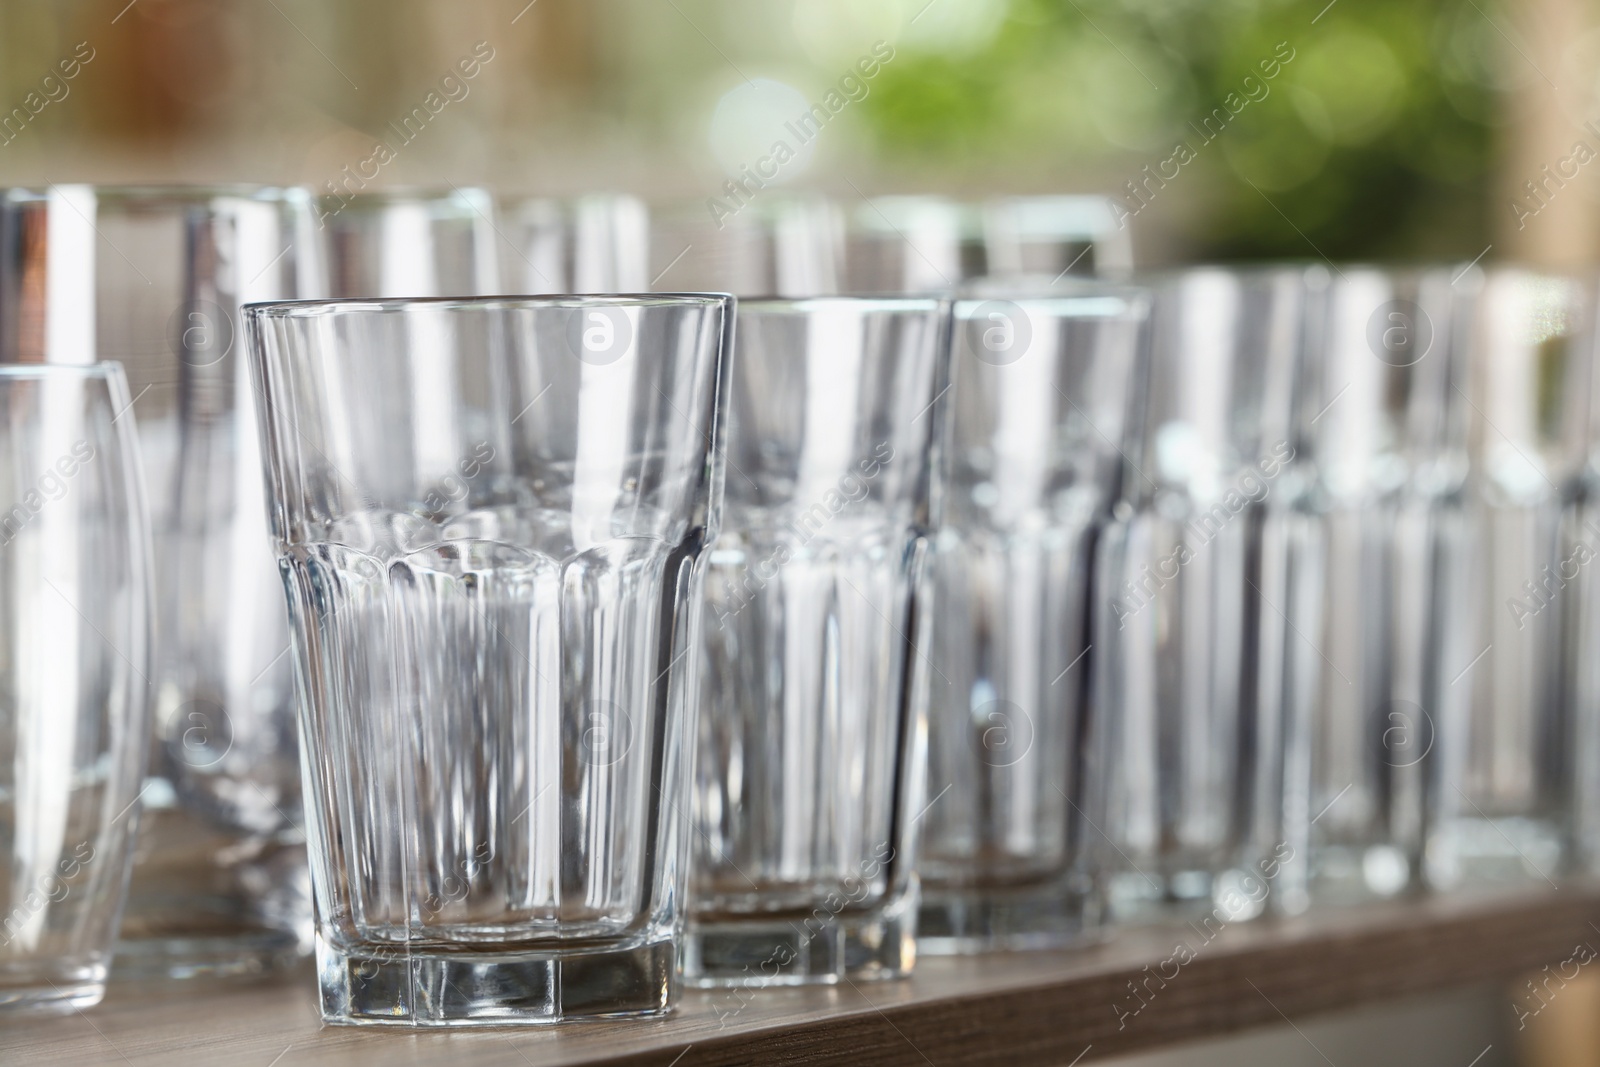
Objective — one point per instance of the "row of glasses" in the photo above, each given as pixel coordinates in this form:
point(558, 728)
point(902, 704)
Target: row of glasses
point(499, 692)
point(1267, 536)
point(1446, 731)
point(1346, 624)
point(586, 524)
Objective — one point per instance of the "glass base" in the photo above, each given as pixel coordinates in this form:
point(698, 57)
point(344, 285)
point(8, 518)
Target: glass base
point(815, 949)
point(51, 989)
point(385, 985)
point(982, 920)
point(206, 902)
point(1505, 851)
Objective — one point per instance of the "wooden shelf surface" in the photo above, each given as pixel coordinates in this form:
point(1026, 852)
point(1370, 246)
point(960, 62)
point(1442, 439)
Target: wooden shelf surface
point(1010, 1009)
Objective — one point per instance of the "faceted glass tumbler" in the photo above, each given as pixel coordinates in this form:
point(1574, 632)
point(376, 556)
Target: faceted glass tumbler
point(1042, 386)
point(490, 516)
point(1191, 655)
point(812, 744)
point(75, 671)
point(1386, 442)
point(1508, 732)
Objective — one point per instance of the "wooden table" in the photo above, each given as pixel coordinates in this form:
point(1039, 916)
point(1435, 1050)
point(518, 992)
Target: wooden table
point(1015, 1010)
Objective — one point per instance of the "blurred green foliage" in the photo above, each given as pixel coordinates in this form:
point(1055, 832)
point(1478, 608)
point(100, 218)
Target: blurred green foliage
point(1374, 140)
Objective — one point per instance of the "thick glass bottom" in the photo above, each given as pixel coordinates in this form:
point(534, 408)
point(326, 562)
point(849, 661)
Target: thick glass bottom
point(51, 988)
point(816, 949)
point(1504, 851)
point(958, 922)
point(387, 985)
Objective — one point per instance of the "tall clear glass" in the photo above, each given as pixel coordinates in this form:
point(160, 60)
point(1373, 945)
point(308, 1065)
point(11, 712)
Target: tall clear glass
point(1042, 391)
point(1505, 802)
point(812, 736)
point(1192, 655)
point(1386, 440)
point(599, 243)
point(75, 677)
point(489, 517)
point(778, 245)
point(153, 277)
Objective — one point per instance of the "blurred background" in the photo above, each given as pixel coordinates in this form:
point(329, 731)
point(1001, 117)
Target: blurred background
point(1375, 129)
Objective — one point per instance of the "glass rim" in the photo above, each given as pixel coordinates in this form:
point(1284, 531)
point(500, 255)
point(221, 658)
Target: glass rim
point(104, 370)
point(300, 309)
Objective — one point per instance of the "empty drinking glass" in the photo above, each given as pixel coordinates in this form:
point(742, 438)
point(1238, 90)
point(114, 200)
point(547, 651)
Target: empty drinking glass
point(1192, 658)
point(75, 677)
point(1504, 810)
point(811, 749)
point(1386, 440)
point(489, 517)
point(1040, 402)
